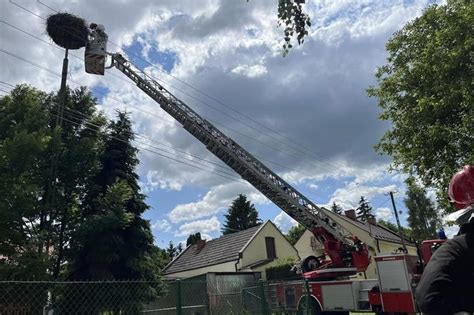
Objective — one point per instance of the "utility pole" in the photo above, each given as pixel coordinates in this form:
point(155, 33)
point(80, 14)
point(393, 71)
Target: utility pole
point(400, 231)
point(62, 90)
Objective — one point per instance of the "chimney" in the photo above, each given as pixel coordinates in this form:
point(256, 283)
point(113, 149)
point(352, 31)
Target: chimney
point(351, 214)
point(200, 244)
point(372, 220)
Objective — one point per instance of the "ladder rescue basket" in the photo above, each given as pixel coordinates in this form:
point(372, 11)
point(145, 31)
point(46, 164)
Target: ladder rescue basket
point(96, 50)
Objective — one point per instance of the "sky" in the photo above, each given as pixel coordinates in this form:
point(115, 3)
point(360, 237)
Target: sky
point(306, 116)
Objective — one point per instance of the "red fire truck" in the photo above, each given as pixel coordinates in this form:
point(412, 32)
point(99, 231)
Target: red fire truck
point(328, 276)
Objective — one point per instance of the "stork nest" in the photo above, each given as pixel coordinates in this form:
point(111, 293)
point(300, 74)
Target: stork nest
point(67, 30)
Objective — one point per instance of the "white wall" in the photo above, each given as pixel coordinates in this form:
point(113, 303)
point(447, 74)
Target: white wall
point(224, 267)
point(304, 248)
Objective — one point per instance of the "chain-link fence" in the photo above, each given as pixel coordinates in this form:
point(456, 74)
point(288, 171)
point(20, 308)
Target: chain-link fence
point(204, 295)
point(92, 297)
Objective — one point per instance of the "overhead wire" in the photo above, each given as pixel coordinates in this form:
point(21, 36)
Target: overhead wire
point(149, 113)
point(138, 135)
point(263, 143)
point(156, 116)
point(200, 101)
point(43, 68)
point(79, 115)
point(57, 74)
point(221, 103)
point(147, 148)
point(6, 83)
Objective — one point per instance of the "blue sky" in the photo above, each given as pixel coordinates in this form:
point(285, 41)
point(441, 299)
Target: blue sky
point(308, 113)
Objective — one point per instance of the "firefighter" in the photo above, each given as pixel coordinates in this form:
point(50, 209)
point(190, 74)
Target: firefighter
point(447, 284)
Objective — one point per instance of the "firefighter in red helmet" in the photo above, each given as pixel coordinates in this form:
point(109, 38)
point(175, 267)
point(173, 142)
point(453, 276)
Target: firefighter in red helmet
point(447, 284)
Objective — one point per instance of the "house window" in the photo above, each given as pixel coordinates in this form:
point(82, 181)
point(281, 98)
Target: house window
point(270, 245)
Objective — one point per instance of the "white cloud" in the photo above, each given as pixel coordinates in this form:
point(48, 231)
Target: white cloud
point(212, 39)
point(383, 213)
point(284, 222)
point(349, 196)
point(161, 225)
point(215, 200)
point(206, 237)
point(250, 71)
point(202, 226)
point(313, 186)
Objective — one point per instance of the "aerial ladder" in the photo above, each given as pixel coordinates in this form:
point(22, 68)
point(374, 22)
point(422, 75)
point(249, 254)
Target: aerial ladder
point(347, 254)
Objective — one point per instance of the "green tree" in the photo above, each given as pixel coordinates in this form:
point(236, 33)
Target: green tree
point(407, 232)
point(76, 163)
point(24, 139)
point(40, 206)
point(422, 215)
point(364, 210)
point(294, 233)
point(159, 255)
point(241, 216)
point(193, 238)
point(336, 208)
point(425, 91)
point(172, 251)
point(294, 20)
point(114, 242)
point(115, 203)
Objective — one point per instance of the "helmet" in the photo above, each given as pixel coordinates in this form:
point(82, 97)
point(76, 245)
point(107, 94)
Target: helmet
point(461, 187)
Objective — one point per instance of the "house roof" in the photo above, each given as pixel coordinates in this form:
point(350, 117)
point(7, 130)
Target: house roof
point(377, 231)
point(220, 250)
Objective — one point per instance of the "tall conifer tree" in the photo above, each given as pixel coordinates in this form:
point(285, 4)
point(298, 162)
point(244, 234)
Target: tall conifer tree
point(113, 227)
point(241, 216)
point(364, 210)
point(336, 208)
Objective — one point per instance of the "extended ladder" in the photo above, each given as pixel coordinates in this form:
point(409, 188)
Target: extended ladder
point(227, 150)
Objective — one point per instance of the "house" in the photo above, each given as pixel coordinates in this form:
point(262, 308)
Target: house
point(379, 239)
point(251, 250)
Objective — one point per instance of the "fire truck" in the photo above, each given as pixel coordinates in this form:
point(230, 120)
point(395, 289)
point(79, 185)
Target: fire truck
point(328, 280)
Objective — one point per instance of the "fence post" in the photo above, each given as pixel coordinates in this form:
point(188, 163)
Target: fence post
point(178, 298)
point(263, 301)
point(308, 296)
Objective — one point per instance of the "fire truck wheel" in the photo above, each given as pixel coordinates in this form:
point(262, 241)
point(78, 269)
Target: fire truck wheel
point(313, 307)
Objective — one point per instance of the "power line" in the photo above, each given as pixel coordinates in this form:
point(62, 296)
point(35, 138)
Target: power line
point(34, 64)
point(56, 74)
point(263, 143)
point(204, 103)
point(185, 93)
point(218, 164)
point(141, 147)
point(156, 116)
point(139, 109)
point(148, 146)
point(8, 84)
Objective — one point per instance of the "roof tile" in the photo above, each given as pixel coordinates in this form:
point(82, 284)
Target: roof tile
point(223, 249)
